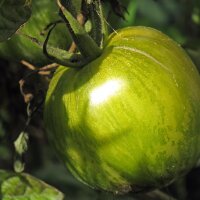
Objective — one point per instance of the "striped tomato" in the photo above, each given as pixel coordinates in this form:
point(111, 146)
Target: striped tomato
point(130, 119)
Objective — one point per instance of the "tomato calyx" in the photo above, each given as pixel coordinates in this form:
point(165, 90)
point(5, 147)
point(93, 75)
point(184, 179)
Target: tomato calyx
point(89, 46)
point(86, 45)
point(59, 56)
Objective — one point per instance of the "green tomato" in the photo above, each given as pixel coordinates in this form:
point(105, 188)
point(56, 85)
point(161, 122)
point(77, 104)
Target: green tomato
point(20, 47)
point(130, 119)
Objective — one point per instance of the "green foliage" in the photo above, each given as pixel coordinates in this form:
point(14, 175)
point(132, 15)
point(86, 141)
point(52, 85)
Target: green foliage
point(12, 15)
point(27, 44)
point(129, 13)
point(25, 187)
point(21, 146)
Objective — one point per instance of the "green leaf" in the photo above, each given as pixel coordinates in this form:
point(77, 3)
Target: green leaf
point(20, 143)
point(19, 165)
point(25, 187)
point(21, 146)
point(13, 14)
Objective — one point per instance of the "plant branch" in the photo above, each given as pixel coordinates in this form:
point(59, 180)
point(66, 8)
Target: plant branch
point(50, 25)
point(81, 19)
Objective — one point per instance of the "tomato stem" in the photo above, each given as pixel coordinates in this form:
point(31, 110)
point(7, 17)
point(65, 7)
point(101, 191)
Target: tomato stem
point(86, 45)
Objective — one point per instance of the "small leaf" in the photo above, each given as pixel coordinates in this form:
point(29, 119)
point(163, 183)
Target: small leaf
point(25, 187)
point(19, 166)
point(20, 143)
point(21, 146)
point(13, 13)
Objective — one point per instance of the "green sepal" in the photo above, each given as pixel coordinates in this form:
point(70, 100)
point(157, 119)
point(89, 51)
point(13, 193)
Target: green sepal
point(60, 56)
point(74, 6)
point(99, 30)
point(57, 55)
point(86, 45)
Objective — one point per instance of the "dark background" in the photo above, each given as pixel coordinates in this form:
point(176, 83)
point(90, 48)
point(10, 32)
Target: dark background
point(180, 19)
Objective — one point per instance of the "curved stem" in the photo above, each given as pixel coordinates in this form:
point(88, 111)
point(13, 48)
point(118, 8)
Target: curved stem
point(61, 57)
point(65, 61)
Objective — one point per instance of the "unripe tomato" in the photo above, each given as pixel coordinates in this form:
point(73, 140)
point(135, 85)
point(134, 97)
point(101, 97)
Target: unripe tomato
point(20, 47)
point(130, 119)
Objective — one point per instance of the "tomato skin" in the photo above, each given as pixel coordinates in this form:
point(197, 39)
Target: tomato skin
point(19, 47)
point(129, 119)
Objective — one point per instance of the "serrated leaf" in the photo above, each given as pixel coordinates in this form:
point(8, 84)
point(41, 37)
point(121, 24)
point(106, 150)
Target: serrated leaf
point(13, 14)
point(15, 186)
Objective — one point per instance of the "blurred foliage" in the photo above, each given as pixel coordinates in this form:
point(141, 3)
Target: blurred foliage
point(21, 12)
point(180, 19)
point(25, 187)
